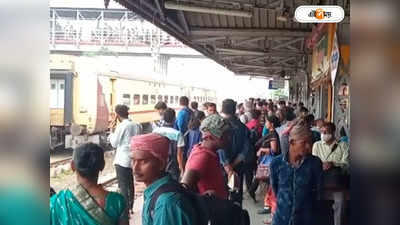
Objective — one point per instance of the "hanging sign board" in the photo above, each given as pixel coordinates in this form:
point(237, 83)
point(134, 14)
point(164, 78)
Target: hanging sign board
point(334, 59)
point(320, 59)
point(276, 84)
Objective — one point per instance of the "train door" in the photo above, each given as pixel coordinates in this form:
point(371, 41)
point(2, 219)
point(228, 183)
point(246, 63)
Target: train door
point(57, 93)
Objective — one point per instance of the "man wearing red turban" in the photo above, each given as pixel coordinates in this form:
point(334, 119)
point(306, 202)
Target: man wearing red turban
point(149, 160)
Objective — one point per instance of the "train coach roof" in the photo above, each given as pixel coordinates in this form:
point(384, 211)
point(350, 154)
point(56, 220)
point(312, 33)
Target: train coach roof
point(148, 79)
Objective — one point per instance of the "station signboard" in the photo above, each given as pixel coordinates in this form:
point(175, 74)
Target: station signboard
point(276, 84)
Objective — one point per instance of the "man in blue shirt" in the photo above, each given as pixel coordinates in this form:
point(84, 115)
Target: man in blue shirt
point(233, 157)
point(149, 161)
point(184, 115)
point(296, 179)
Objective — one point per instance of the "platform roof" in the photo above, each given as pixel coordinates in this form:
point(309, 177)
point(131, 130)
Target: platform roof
point(246, 36)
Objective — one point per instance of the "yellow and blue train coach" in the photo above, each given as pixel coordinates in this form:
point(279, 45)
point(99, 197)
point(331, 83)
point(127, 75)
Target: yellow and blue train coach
point(83, 97)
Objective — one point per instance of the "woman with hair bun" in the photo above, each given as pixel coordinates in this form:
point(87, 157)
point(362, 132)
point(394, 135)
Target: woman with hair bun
point(87, 203)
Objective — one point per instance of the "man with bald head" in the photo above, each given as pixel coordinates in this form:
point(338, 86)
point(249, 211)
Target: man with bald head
point(296, 179)
point(149, 161)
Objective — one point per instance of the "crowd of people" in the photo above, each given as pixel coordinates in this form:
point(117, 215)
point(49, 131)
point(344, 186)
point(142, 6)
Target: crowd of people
point(217, 153)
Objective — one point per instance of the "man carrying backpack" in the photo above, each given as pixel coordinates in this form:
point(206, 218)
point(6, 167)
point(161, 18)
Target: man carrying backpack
point(176, 162)
point(149, 162)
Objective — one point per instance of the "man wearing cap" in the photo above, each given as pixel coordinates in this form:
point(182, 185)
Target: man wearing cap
point(296, 179)
point(149, 161)
point(203, 171)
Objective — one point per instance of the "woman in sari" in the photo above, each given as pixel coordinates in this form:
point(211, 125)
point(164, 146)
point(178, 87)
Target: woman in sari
point(87, 203)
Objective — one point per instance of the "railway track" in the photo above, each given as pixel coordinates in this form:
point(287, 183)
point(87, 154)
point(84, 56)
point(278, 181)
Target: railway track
point(60, 162)
point(108, 181)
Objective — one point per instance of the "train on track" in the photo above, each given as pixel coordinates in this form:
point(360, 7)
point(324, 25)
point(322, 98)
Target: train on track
point(83, 96)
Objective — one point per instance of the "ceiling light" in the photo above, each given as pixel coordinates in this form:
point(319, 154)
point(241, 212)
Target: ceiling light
point(202, 9)
point(284, 15)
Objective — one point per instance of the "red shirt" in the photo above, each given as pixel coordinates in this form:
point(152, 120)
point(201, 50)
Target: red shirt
point(206, 163)
point(255, 124)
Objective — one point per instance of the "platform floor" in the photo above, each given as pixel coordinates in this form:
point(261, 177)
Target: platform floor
point(248, 204)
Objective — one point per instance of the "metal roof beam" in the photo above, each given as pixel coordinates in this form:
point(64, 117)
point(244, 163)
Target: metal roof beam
point(208, 39)
point(195, 31)
point(257, 59)
point(284, 44)
point(259, 53)
point(231, 57)
point(182, 20)
point(262, 67)
point(160, 9)
point(249, 41)
point(201, 9)
point(283, 61)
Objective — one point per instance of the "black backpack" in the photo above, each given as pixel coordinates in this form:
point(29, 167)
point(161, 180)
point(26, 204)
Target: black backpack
point(172, 163)
point(210, 208)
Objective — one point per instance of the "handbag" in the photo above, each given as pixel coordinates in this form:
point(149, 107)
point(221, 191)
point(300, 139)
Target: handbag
point(335, 177)
point(262, 172)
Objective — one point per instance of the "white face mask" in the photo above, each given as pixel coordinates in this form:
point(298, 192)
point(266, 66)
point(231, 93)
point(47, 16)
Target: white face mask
point(326, 137)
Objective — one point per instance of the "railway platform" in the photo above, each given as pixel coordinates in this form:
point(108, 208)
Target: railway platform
point(248, 204)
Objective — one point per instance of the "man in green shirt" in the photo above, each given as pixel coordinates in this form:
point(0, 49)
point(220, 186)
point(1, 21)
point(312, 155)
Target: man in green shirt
point(149, 161)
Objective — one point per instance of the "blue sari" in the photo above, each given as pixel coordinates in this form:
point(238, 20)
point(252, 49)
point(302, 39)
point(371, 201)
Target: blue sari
point(76, 206)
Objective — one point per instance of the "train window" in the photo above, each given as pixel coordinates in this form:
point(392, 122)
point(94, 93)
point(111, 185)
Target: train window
point(53, 86)
point(153, 99)
point(159, 98)
point(126, 99)
point(136, 99)
point(171, 99)
point(177, 99)
point(61, 86)
point(166, 99)
point(145, 99)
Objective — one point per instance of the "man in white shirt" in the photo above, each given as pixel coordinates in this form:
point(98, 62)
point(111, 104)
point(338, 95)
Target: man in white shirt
point(120, 139)
point(333, 154)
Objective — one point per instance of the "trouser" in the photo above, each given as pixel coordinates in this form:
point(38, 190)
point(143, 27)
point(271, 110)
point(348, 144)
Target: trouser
point(238, 196)
point(248, 175)
point(126, 187)
point(338, 206)
point(254, 185)
point(239, 170)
